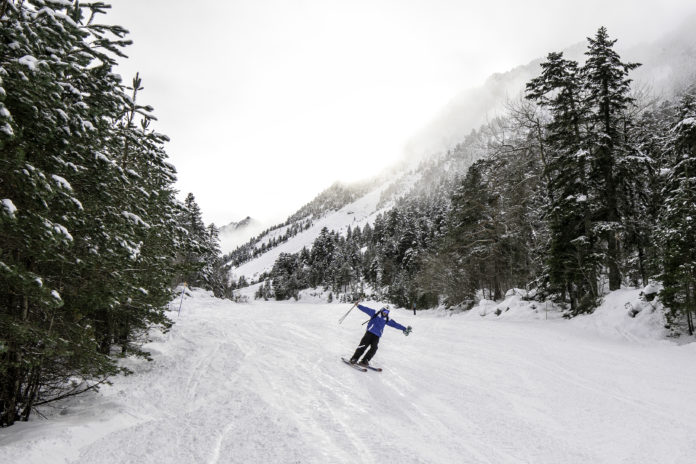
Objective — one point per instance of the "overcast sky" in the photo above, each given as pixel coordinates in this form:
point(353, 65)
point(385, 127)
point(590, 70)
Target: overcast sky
point(268, 102)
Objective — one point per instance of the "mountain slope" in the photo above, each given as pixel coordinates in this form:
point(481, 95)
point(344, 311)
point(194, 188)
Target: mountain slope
point(667, 65)
point(452, 144)
point(337, 209)
point(357, 213)
point(263, 382)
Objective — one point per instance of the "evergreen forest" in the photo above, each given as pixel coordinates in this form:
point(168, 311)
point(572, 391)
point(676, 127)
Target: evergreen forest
point(584, 185)
point(92, 238)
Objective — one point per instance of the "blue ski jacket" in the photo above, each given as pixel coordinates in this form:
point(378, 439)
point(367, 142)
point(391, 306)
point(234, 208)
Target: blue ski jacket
point(376, 324)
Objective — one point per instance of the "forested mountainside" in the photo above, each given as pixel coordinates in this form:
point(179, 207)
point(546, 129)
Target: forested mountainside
point(332, 199)
point(668, 65)
point(389, 187)
point(584, 186)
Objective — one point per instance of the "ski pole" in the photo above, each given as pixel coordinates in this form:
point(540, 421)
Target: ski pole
point(346, 314)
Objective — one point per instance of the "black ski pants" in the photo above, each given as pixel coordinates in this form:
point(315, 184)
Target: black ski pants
point(371, 340)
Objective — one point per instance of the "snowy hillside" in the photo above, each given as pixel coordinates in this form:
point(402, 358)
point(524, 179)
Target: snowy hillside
point(667, 65)
point(263, 383)
point(359, 213)
point(362, 211)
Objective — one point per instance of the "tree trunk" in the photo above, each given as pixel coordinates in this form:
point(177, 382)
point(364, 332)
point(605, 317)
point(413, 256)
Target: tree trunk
point(571, 297)
point(612, 264)
point(610, 192)
point(641, 265)
point(32, 391)
point(690, 298)
point(612, 218)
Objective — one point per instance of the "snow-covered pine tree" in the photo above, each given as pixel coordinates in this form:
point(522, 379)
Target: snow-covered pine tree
point(452, 270)
point(321, 256)
point(284, 276)
point(572, 267)
point(607, 94)
point(199, 256)
point(215, 273)
point(46, 141)
point(642, 184)
point(87, 208)
point(128, 277)
point(677, 233)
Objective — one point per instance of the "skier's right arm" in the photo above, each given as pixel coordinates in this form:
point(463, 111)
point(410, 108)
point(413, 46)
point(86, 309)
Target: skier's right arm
point(369, 311)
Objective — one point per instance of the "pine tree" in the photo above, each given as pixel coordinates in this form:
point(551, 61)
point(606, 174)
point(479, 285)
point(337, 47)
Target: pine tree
point(214, 272)
point(640, 191)
point(199, 256)
point(87, 214)
point(607, 89)
point(454, 270)
point(283, 276)
point(572, 269)
point(678, 221)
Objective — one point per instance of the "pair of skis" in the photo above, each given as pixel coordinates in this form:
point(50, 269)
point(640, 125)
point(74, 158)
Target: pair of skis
point(361, 368)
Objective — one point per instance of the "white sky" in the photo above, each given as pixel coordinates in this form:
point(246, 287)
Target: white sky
point(268, 102)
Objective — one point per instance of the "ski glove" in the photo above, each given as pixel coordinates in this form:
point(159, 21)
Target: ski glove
point(407, 330)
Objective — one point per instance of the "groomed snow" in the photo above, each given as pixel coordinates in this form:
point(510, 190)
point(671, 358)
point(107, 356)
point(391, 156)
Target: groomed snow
point(262, 383)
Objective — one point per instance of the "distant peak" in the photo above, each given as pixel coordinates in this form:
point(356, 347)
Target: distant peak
point(237, 225)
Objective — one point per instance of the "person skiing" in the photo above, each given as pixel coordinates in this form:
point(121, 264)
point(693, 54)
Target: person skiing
point(375, 327)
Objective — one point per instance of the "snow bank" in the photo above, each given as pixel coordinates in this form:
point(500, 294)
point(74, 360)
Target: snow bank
point(515, 308)
point(625, 314)
point(315, 295)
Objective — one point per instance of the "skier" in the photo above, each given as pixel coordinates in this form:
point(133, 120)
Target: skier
point(375, 327)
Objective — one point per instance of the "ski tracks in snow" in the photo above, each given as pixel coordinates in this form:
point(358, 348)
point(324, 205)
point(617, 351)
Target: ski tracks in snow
point(264, 383)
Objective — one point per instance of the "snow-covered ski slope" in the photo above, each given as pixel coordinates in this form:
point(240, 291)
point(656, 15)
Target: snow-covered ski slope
point(263, 383)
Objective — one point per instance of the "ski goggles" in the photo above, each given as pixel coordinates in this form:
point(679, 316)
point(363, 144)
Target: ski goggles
point(385, 311)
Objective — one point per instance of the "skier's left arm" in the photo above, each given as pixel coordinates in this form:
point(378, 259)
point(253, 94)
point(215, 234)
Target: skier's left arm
point(396, 325)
